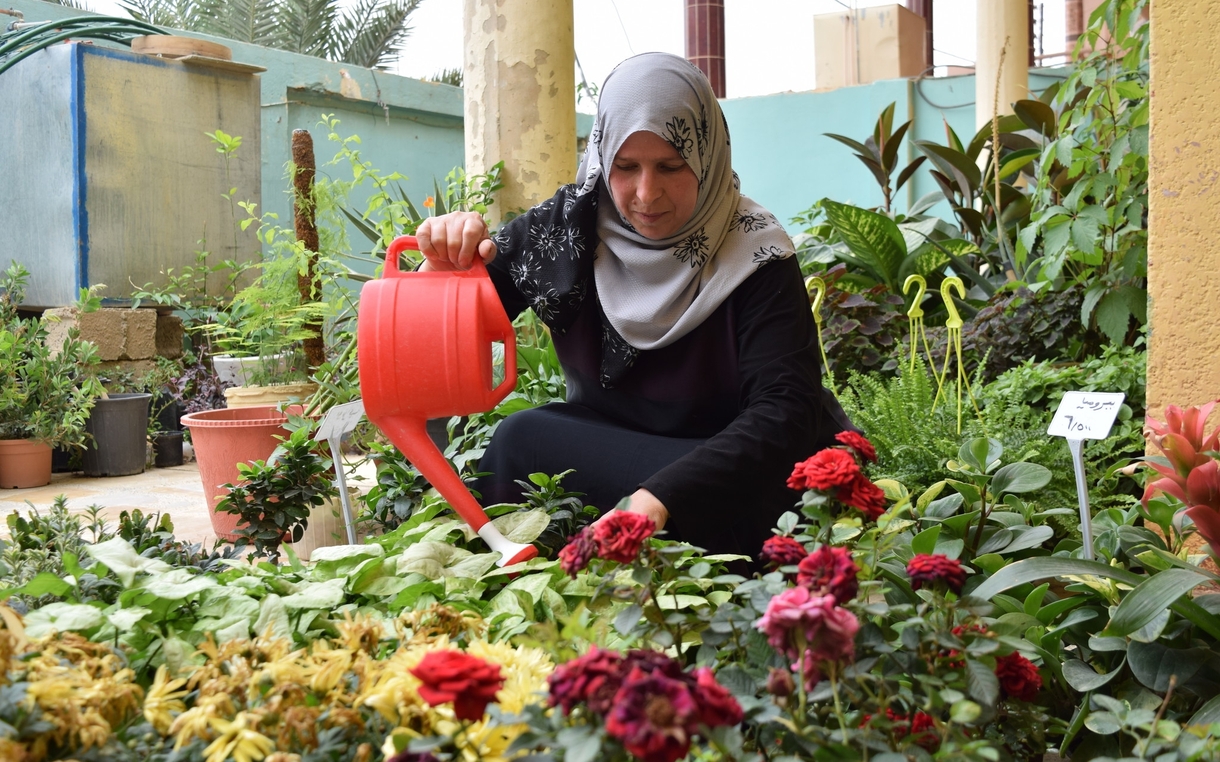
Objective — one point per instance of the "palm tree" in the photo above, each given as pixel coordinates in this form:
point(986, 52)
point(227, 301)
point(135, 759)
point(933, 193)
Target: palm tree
point(369, 34)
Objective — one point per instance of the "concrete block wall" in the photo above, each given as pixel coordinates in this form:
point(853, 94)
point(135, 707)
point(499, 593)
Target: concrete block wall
point(127, 340)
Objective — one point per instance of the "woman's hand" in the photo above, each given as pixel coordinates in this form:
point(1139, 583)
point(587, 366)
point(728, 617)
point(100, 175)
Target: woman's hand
point(451, 241)
point(643, 501)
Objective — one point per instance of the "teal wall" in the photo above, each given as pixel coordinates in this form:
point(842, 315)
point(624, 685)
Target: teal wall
point(786, 163)
point(405, 125)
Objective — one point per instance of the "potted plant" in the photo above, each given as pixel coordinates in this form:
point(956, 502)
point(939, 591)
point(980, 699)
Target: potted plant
point(45, 393)
point(274, 499)
point(259, 337)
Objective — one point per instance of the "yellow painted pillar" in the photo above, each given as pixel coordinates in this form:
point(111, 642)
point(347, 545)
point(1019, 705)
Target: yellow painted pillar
point(520, 94)
point(1003, 25)
point(1184, 206)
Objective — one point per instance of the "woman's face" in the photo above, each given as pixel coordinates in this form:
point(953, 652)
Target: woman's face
point(653, 187)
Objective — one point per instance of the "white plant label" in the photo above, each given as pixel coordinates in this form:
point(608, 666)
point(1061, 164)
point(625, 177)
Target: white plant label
point(1086, 415)
point(340, 420)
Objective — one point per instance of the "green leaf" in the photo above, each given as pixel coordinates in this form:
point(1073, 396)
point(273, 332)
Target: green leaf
point(1113, 316)
point(61, 617)
point(177, 584)
point(1084, 678)
point(1153, 664)
point(1102, 723)
point(1208, 714)
point(1029, 537)
point(44, 583)
point(981, 452)
point(1156, 594)
point(1020, 477)
point(872, 237)
point(1037, 116)
point(982, 683)
point(317, 595)
point(627, 619)
point(1033, 602)
point(925, 541)
point(1036, 569)
point(523, 526)
point(122, 559)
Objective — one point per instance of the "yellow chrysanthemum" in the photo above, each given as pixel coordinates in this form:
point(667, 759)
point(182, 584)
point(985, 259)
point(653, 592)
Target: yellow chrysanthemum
point(238, 739)
point(164, 699)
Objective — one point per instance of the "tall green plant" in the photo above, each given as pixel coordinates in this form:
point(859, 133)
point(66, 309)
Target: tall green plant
point(879, 152)
point(1088, 225)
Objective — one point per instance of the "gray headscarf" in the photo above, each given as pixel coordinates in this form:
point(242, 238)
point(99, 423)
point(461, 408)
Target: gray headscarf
point(654, 292)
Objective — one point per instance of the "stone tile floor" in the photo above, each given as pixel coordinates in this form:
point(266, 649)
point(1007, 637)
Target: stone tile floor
point(177, 491)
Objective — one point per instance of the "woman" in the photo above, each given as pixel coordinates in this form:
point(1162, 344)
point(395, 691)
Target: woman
point(678, 312)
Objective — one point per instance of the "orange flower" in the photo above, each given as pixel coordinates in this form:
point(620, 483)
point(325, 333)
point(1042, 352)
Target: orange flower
point(429, 203)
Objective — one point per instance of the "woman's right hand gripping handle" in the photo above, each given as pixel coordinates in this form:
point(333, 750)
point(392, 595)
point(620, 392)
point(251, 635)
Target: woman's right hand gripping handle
point(451, 241)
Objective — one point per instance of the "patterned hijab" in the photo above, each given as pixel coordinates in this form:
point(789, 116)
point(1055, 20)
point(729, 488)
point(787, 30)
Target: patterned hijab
point(654, 292)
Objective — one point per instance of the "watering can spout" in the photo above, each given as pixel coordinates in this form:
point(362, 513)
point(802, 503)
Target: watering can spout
point(410, 435)
point(426, 352)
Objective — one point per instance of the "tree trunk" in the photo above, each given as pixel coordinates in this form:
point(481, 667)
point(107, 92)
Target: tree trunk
point(304, 169)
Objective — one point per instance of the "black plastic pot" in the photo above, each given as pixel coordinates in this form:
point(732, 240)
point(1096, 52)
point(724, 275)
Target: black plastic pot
point(167, 449)
point(119, 427)
point(62, 460)
point(169, 411)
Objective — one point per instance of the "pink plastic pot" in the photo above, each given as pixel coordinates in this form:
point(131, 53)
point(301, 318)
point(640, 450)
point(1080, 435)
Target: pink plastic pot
point(224, 438)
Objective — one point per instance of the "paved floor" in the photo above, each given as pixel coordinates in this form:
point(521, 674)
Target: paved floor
point(177, 491)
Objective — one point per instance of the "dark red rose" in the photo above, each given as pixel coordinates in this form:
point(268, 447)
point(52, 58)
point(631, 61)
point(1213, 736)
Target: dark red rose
point(780, 683)
point(468, 681)
point(857, 442)
point(620, 536)
point(592, 679)
point(650, 662)
point(826, 470)
point(921, 728)
point(829, 571)
point(654, 717)
point(414, 756)
point(925, 569)
point(864, 496)
point(575, 556)
point(781, 551)
point(716, 705)
point(1018, 676)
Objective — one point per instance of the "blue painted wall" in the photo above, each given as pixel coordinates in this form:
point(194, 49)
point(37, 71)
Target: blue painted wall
point(786, 162)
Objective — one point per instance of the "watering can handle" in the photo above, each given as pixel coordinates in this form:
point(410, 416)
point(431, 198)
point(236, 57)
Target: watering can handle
point(411, 243)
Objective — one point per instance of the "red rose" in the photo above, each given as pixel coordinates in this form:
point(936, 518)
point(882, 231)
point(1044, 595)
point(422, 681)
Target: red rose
point(857, 442)
point(468, 681)
point(1018, 676)
point(829, 571)
point(621, 535)
point(864, 496)
point(826, 470)
point(716, 705)
point(779, 683)
point(921, 728)
point(654, 717)
point(575, 556)
point(926, 569)
point(781, 551)
point(592, 679)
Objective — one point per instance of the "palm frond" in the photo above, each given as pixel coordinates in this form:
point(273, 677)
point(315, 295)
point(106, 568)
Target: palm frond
point(79, 5)
point(306, 26)
point(448, 77)
point(377, 43)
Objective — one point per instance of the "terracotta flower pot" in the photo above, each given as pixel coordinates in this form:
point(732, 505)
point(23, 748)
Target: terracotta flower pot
point(24, 463)
point(222, 439)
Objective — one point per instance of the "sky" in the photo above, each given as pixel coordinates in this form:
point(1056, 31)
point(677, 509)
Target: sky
point(768, 43)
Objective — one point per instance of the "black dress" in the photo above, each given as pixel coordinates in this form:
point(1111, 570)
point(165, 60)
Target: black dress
point(711, 424)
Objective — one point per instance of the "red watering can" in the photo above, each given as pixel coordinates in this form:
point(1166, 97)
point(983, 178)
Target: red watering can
point(425, 344)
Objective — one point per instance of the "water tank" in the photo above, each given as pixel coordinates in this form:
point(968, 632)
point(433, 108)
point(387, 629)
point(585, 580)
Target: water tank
point(109, 175)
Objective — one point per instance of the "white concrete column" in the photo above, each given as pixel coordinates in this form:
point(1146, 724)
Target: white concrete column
point(520, 97)
point(1003, 25)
